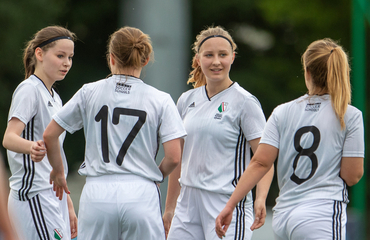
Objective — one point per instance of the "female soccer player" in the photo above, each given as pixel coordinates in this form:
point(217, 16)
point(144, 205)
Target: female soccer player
point(223, 122)
point(319, 141)
point(37, 213)
point(123, 120)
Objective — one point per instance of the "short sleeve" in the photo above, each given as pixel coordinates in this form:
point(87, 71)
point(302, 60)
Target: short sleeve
point(70, 117)
point(354, 141)
point(171, 126)
point(271, 134)
point(252, 119)
point(24, 103)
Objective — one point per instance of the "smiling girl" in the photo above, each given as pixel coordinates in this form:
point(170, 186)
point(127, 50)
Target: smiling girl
point(223, 122)
point(36, 212)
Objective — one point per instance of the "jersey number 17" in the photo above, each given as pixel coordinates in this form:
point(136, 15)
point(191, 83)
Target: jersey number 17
point(102, 117)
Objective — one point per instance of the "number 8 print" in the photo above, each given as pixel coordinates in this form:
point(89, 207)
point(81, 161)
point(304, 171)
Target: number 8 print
point(309, 152)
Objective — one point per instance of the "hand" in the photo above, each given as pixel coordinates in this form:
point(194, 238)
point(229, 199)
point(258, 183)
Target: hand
point(59, 183)
point(38, 151)
point(73, 223)
point(260, 214)
point(167, 219)
point(223, 221)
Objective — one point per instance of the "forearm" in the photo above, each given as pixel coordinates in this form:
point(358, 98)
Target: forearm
point(249, 179)
point(264, 184)
point(16, 143)
point(173, 189)
point(51, 139)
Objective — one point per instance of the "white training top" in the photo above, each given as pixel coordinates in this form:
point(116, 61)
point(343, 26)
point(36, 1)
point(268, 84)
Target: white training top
point(311, 145)
point(216, 150)
point(32, 104)
point(123, 119)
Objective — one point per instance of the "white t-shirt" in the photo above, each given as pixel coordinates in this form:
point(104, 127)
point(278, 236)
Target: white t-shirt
point(124, 120)
point(32, 104)
point(216, 150)
point(311, 145)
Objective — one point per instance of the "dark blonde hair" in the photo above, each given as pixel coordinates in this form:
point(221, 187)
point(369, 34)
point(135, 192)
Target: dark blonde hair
point(43, 35)
point(328, 65)
point(196, 76)
point(130, 47)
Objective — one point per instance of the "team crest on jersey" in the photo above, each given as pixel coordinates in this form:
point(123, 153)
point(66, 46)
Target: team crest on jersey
point(222, 107)
point(58, 234)
point(123, 88)
point(313, 107)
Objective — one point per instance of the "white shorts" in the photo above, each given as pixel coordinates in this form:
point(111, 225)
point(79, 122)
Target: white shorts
point(311, 220)
point(121, 206)
point(196, 212)
point(42, 217)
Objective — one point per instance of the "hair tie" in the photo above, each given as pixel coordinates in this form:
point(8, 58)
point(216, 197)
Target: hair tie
point(52, 40)
point(213, 36)
point(332, 50)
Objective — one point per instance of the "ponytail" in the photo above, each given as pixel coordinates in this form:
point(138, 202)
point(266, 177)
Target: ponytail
point(329, 68)
point(339, 83)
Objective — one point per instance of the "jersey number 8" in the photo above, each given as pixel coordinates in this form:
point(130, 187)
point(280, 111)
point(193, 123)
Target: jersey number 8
point(103, 117)
point(309, 152)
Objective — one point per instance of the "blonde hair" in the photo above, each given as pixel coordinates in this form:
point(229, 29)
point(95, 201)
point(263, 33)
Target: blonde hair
point(328, 65)
point(130, 47)
point(196, 76)
point(43, 35)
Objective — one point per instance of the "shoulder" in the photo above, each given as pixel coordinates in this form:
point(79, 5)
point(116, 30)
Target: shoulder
point(29, 86)
point(245, 97)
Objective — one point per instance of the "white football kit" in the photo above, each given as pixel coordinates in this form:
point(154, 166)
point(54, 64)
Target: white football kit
point(30, 199)
point(124, 121)
point(216, 153)
point(311, 145)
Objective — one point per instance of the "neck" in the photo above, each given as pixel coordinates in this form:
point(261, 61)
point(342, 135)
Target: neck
point(127, 71)
point(48, 82)
point(214, 88)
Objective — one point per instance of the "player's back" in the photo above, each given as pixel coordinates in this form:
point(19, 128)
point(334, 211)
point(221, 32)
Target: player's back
point(311, 146)
point(123, 119)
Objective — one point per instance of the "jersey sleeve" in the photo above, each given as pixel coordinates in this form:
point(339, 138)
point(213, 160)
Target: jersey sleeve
point(180, 105)
point(171, 126)
point(252, 119)
point(271, 134)
point(354, 141)
point(24, 102)
point(70, 117)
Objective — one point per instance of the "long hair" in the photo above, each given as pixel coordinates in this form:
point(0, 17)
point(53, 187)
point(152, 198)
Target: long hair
point(328, 65)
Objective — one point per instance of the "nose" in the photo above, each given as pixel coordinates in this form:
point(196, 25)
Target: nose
point(68, 62)
point(216, 60)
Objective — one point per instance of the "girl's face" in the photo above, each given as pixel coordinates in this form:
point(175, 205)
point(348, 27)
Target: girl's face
point(54, 63)
point(215, 58)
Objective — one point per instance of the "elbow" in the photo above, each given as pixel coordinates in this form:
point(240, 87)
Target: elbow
point(354, 179)
point(176, 160)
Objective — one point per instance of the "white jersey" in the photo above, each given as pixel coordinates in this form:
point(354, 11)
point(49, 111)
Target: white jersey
point(123, 119)
point(32, 104)
point(216, 150)
point(311, 145)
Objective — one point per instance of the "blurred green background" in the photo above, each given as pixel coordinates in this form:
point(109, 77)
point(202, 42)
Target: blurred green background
point(271, 36)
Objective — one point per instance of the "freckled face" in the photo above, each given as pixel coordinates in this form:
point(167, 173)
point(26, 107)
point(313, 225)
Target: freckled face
point(215, 58)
